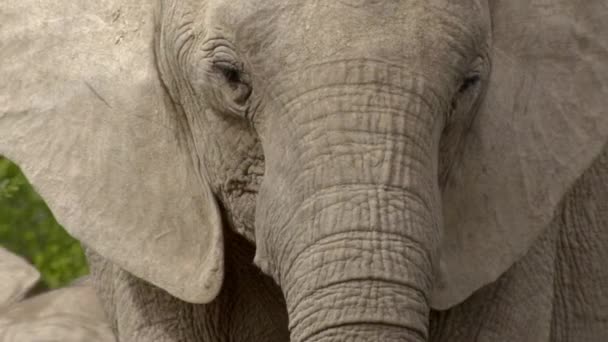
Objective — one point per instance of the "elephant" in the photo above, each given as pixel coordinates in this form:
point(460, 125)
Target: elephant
point(17, 278)
point(310, 171)
point(72, 313)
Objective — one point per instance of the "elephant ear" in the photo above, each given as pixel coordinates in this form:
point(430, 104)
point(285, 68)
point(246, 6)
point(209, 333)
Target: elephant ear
point(85, 115)
point(543, 121)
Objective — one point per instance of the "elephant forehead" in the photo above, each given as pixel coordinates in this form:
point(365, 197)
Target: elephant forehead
point(303, 30)
point(278, 35)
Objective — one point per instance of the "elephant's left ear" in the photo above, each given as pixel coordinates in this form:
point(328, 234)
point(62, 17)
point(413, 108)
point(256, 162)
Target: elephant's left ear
point(85, 115)
point(542, 123)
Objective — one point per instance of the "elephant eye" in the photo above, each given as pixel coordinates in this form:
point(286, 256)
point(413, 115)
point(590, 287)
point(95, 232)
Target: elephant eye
point(468, 82)
point(238, 89)
point(466, 98)
point(230, 73)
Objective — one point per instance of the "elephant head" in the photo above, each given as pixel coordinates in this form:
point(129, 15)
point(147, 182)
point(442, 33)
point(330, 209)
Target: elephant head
point(385, 157)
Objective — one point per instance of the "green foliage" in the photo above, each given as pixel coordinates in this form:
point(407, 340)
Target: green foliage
point(28, 228)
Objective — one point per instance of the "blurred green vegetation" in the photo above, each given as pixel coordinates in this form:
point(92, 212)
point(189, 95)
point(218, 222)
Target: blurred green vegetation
point(28, 228)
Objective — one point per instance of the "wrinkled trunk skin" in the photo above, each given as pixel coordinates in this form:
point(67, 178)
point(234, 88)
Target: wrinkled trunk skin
point(352, 244)
point(365, 280)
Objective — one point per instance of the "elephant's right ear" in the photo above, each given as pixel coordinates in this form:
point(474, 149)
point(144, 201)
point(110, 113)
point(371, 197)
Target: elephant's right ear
point(84, 114)
point(542, 123)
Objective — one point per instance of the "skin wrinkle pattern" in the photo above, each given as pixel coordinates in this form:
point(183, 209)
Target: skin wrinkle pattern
point(311, 171)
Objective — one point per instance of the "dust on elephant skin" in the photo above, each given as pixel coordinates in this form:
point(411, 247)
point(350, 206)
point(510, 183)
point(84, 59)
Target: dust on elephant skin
point(321, 171)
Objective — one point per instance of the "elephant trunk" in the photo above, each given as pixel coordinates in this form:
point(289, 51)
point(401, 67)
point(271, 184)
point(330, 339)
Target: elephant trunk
point(350, 214)
point(365, 280)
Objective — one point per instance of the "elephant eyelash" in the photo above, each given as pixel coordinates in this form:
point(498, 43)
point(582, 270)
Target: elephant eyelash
point(231, 75)
point(231, 72)
point(468, 82)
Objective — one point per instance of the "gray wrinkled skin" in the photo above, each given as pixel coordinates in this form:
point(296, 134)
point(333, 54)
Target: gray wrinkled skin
point(554, 293)
point(70, 314)
point(315, 171)
point(17, 277)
